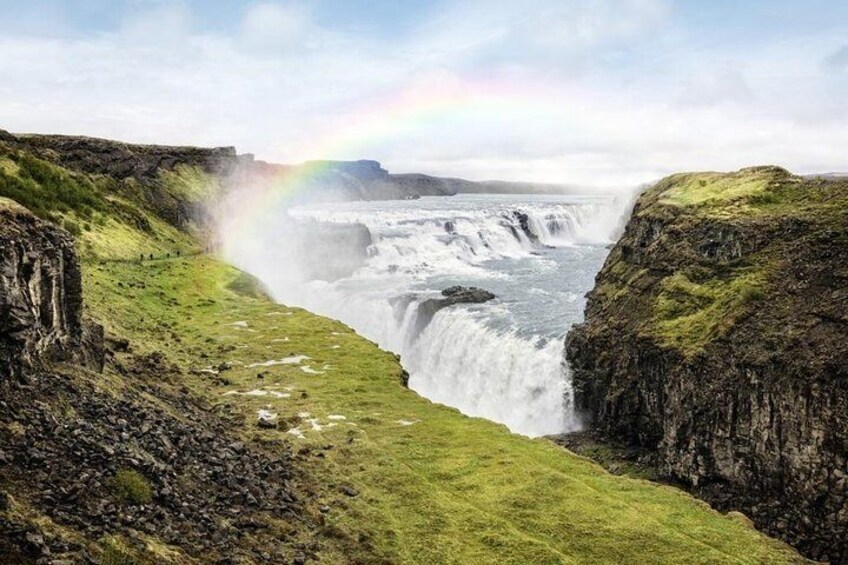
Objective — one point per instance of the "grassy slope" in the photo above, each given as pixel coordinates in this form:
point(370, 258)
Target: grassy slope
point(444, 489)
point(434, 486)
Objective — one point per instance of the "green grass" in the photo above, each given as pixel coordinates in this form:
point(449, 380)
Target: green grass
point(114, 240)
point(115, 551)
point(248, 285)
point(691, 311)
point(689, 314)
point(130, 486)
point(45, 188)
point(692, 189)
point(189, 183)
point(110, 219)
point(445, 489)
point(749, 194)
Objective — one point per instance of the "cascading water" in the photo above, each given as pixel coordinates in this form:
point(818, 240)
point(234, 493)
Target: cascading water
point(501, 360)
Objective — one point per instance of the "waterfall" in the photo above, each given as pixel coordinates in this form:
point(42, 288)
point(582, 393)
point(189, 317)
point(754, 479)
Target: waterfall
point(501, 360)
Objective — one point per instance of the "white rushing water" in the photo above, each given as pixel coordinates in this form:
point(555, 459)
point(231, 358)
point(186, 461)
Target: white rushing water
point(502, 360)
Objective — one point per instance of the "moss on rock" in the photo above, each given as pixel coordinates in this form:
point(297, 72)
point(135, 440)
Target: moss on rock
point(131, 487)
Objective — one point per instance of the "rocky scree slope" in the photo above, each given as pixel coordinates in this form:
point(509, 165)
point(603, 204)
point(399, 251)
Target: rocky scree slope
point(717, 336)
point(105, 455)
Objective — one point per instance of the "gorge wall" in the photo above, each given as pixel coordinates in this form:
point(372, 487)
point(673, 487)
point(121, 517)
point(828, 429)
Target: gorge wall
point(717, 336)
point(40, 295)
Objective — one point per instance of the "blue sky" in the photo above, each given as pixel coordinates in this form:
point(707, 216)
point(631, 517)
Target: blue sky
point(600, 92)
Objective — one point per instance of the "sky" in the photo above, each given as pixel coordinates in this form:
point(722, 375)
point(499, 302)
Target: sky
point(607, 93)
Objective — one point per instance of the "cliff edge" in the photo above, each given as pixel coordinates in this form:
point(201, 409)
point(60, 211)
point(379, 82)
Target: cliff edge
point(717, 335)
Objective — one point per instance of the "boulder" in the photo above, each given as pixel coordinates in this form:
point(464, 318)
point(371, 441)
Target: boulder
point(452, 295)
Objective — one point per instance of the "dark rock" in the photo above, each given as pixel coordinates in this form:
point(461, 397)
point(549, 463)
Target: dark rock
point(452, 295)
point(40, 295)
point(117, 344)
point(267, 422)
point(524, 225)
point(91, 352)
point(457, 294)
point(350, 491)
point(198, 472)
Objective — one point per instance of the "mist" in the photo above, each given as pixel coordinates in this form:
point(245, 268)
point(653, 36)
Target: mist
point(380, 267)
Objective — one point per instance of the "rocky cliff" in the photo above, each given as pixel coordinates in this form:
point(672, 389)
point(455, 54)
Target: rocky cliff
point(173, 182)
point(124, 160)
point(717, 336)
point(40, 295)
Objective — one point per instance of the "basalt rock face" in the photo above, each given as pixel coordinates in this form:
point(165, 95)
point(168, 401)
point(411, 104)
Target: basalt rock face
point(124, 160)
point(717, 335)
point(40, 296)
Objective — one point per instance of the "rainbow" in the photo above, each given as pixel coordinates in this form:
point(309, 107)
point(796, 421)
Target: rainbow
point(425, 102)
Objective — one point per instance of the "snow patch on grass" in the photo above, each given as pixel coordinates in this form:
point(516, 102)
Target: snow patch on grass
point(258, 392)
point(291, 360)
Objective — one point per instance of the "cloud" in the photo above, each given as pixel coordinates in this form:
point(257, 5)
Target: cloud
point(838, 60)
point(535, 29)
point(152, 23)
point(601, 93)
point(267, 24)
point(716, 86)
point(574, 23)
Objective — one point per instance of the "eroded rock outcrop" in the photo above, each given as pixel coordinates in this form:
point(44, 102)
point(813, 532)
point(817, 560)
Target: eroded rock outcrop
point(40, 295)
point(717, 335)
point(452, 295)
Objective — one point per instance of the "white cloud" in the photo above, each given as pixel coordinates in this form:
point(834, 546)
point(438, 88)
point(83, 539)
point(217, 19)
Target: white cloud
point(716, 86)
point(269, 25)
point(534, 30)
point(838, 60)
point(156, 23)
point(483, 90)
point(575, 23)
